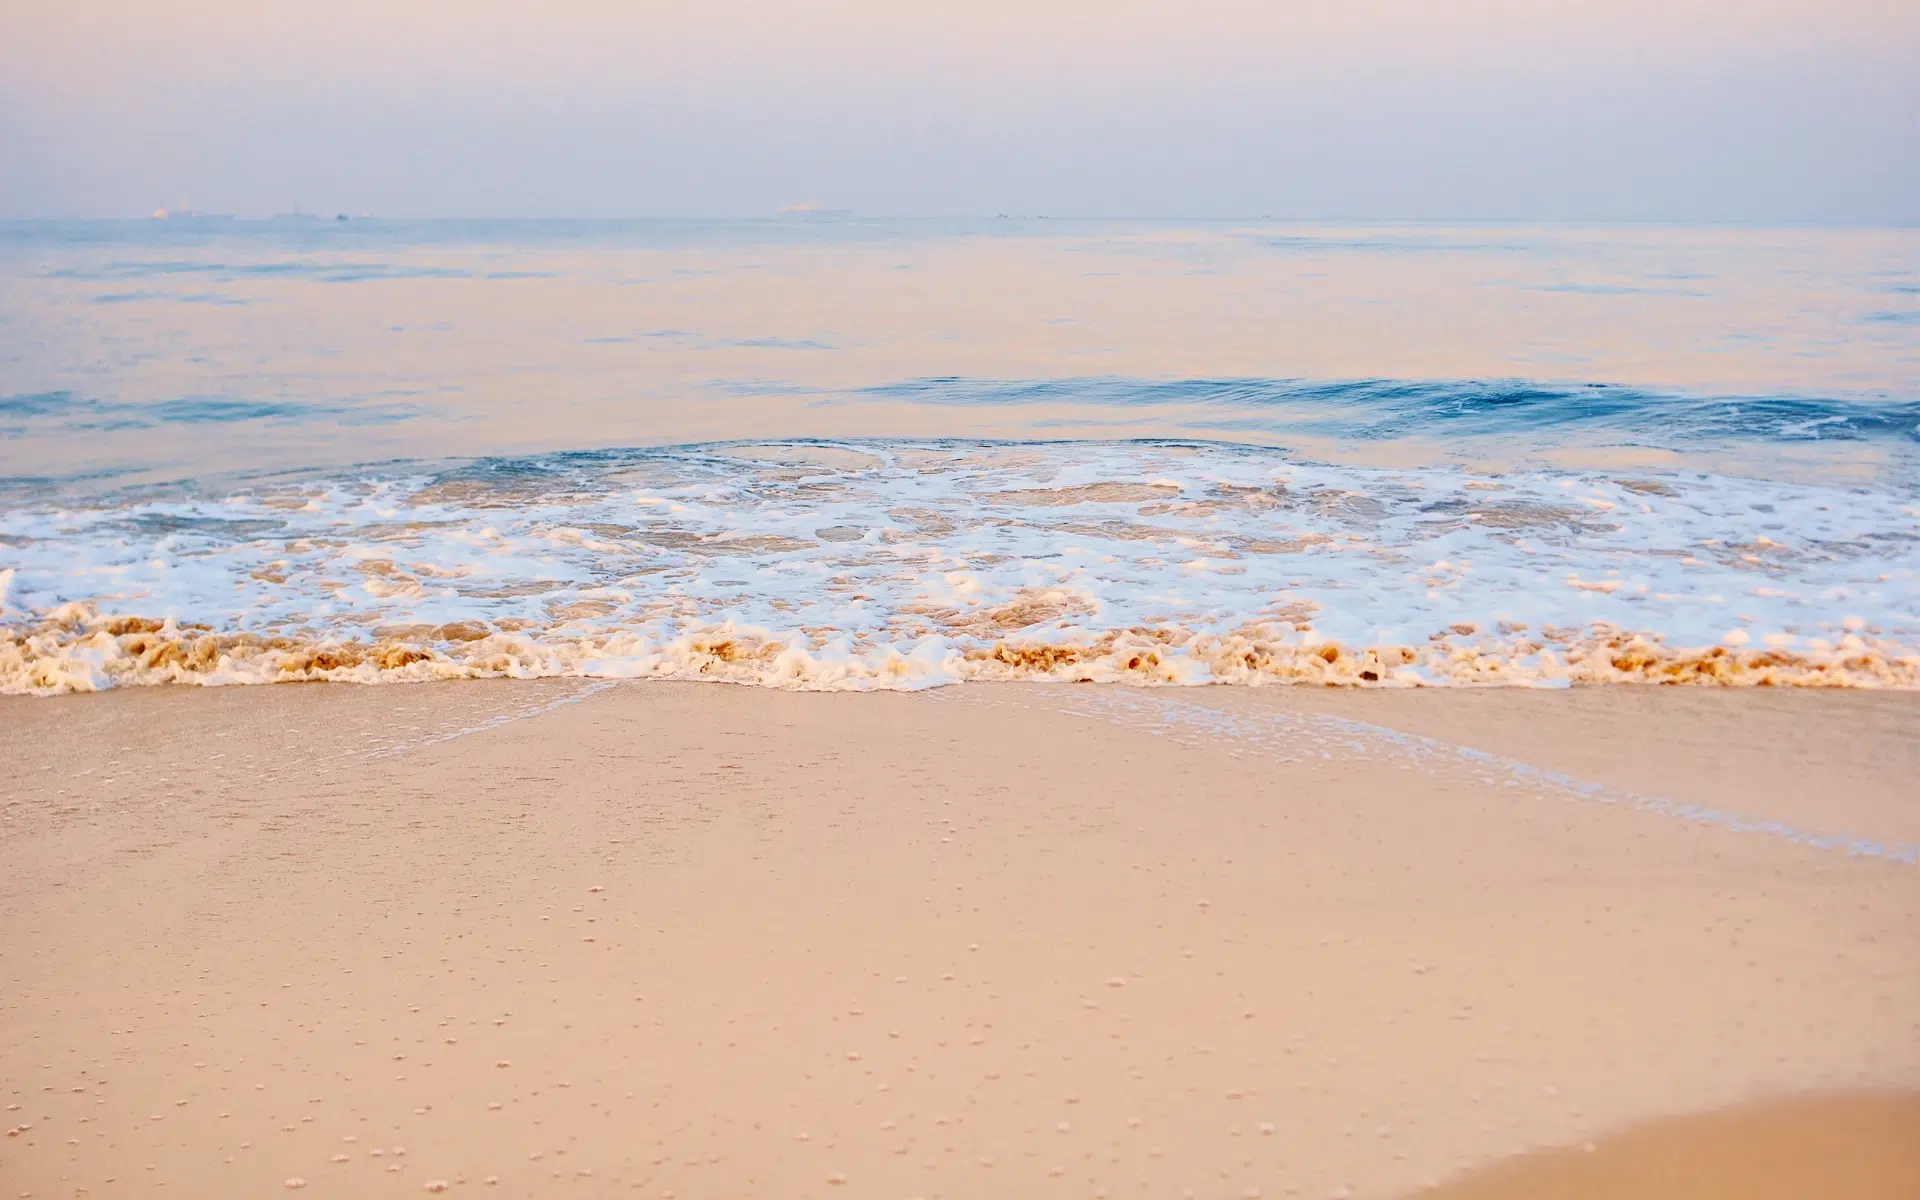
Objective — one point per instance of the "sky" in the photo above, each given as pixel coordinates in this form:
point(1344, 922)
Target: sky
point(1627, 110)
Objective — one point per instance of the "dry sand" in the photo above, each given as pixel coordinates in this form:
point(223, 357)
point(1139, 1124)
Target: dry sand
point(705, 941)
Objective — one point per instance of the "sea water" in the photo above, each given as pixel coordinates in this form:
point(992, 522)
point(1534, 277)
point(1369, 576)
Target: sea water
point(841, 453)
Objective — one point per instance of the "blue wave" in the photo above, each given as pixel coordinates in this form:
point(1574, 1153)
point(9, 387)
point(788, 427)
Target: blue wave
point(1386, 409)
point(66, 412)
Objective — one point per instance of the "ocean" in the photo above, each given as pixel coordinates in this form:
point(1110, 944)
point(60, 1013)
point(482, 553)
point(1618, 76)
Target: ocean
point(840, 453)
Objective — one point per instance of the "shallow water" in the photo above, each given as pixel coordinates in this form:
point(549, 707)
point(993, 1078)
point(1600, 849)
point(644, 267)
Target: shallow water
point(836, 453)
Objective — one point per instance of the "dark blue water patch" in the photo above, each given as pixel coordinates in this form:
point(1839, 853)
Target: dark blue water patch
point(35, 404)
point(106, 424)
point(775, 343)
point(383, 272)
point(53, 413)
point(1388, 409)
point(218, 411)
point(1909, 316)
point(767, 387)
point(155, 525)
point(319, 272)
point(168, 297)
point(498, 479)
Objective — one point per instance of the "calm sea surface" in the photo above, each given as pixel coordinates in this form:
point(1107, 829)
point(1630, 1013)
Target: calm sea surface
point(848, 454)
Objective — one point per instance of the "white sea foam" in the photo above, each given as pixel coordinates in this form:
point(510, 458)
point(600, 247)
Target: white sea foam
point(900, 565)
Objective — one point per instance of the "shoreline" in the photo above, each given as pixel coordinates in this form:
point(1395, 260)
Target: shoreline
point(736, 941)
point(78, 652)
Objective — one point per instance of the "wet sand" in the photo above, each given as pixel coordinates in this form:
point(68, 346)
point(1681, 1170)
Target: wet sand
point(539, 939)
point(1862, 1145)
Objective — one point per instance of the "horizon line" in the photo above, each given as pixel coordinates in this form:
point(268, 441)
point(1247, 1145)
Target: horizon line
point(850, 216)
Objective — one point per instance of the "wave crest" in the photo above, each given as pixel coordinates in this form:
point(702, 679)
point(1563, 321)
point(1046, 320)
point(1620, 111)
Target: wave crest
point(77, 649)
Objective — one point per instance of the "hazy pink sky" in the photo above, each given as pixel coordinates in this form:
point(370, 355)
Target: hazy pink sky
point(1608, 109)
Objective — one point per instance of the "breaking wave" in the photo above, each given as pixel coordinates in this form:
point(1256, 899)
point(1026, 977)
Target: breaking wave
point(1373, 410)
point(889, 564)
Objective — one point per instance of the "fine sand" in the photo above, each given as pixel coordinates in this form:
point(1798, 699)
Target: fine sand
point(569, 939)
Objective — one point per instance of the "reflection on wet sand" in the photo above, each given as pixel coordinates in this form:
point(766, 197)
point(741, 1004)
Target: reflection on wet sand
point(1861, 1146)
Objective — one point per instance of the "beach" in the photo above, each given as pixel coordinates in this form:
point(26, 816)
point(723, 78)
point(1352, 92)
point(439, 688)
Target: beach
point(965, 707)
point(1017, 601)
point(584, 937)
